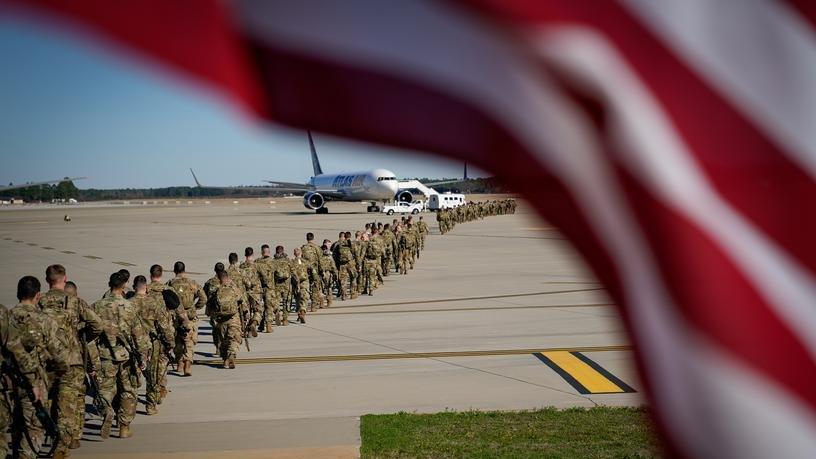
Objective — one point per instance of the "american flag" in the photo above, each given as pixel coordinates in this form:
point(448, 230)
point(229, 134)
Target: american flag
point(673, 142)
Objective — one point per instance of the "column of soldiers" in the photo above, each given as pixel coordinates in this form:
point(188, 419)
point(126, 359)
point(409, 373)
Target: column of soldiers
point(448, 218)
point(57, 348)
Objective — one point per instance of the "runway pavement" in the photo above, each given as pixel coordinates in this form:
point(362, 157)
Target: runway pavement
point(499, 314)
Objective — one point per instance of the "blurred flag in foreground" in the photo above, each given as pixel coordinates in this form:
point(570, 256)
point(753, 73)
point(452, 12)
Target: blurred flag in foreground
point(673, 142)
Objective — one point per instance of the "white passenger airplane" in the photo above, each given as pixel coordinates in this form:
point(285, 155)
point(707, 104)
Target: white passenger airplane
point(377, 186)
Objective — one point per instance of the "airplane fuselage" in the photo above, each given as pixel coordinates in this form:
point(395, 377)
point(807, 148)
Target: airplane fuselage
point(377, 185)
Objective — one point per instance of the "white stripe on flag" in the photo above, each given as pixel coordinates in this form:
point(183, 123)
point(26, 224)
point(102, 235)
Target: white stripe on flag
point(768, 75)
point(643, 129)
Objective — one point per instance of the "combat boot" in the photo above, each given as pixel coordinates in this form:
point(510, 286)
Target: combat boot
point(231, 363)
point(124, 431)
point(302, 316)
point(253, 329)
point(226, 363)
point(188, 368)
point(285, 322)
point(60, 455)
point(162, 394)
point(74, 444)
point(107, 421)
point(150, 410)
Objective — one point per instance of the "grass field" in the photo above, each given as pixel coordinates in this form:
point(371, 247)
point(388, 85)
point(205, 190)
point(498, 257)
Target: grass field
point(602, 432)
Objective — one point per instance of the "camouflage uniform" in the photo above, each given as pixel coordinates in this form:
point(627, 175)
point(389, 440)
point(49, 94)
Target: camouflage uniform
point(39, 335)
point(328, 271)
point(281, 275)
point(123, 344)
point(266, 273)
point(358, 249)
point(252, 281)
point(300, 282)
point(209, 289)
point(225, 299)
point(73, 316)
point(404, 244)
point(151, 310)
point(311, 254)
point(347, 274)
point(388, 255)
point(168, 322)
point(27, 363)
point(187, 335)
point(423, 231)
point(372, 262)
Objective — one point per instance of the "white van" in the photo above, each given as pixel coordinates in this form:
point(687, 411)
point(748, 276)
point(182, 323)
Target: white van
point(445, 201)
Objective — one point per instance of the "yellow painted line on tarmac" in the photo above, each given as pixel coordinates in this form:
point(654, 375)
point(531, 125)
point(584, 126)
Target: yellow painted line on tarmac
point(583, 373)
point(413, 355)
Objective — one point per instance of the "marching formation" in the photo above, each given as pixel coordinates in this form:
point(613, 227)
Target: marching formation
point(57, 348)
point(448, 218)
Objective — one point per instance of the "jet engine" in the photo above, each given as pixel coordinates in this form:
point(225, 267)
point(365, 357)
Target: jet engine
point(313, 201)
point(404, 196)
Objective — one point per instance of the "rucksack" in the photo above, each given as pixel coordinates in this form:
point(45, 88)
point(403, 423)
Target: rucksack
point(225, 303)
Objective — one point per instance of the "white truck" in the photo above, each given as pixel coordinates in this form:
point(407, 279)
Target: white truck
point(403, 208)
point(446, 201)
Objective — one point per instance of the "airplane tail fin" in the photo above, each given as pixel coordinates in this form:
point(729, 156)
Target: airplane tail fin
point(315, 162)
point(195, 178)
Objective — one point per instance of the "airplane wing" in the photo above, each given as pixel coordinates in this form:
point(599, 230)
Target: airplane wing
point(443, 182)
point(297, 188)
point(302, 186)
point(26, 185)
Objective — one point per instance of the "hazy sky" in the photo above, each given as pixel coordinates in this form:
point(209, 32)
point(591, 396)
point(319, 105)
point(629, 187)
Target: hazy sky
point(68, 108)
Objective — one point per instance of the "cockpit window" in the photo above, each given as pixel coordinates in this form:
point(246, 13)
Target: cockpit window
point(381, 179)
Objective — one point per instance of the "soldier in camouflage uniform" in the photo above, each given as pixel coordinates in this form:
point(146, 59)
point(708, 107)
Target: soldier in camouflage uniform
point(311, 254)
point(300, 283)
point(403, 243)
point(168, 318)
point(237, 278)
point(192, 298)
point(344, 258)
point(253, 290)
point(124, 348)
point(282, 278)
point(372, 261)
point(423, 231)
point(210, 286)
point(329, 272)
point(266, 273)
point(73, 317)
point(15, 353)
point(151, 310)
point(358, 248)
point(39, 335)
point(225, 299)
point(388, 246)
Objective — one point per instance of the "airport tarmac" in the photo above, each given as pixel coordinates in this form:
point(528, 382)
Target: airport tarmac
point(499, 314)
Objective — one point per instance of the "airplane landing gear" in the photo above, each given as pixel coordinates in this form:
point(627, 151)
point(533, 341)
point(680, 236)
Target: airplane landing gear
point(322, 210)
point(373, 208)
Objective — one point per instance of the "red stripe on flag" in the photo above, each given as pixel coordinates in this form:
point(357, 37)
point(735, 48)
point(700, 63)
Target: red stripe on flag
point(717, 298)
point(195, 37)
point(806, 9)
point(747, 169)
point(711, 292)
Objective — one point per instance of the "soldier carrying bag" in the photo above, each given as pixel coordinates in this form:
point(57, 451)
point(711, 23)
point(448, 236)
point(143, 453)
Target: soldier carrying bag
point(225, 304)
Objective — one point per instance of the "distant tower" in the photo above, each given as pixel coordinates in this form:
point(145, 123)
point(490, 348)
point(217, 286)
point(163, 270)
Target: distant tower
point(465, 178)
